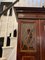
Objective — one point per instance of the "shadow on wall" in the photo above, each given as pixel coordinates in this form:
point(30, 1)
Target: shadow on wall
point(1, 44)
point(8, 37)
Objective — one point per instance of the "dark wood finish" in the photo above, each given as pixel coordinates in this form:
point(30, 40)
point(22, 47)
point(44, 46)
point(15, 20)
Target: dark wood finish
point(31, 52)
point(28, 58)
point(29, 9)
point(31, 16)
point(42, 37)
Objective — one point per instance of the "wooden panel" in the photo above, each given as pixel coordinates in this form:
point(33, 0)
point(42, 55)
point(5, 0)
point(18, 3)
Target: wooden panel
point(34, 20)
point(42, 29)
point(31, 15)
point(28, 58)
point(28, 47)
point(28, 36)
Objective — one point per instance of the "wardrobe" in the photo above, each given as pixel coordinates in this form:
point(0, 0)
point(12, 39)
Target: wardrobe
point(31, 33)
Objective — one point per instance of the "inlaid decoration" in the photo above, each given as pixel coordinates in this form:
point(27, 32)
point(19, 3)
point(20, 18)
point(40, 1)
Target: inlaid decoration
point(28, 37)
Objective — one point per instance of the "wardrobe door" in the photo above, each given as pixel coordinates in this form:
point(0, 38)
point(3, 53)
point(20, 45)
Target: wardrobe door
point(28, 40)
point(42, 35)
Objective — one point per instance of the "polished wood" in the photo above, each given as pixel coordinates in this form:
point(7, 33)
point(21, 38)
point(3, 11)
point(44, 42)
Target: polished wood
point(29, 10)
point(31, 52)
point(28, 58)
point(42, 35)
point(36, 22)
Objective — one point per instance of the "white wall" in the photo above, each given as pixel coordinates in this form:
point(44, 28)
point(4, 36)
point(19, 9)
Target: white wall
point(30, 3)
point(7, 0)
point(7, 25)
point(13, 55)
point(27, 3)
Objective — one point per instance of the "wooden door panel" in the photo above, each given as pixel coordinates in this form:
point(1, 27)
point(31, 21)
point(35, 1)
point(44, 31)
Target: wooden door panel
point(28, 58)
point(28, 40)
point(42, 27)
